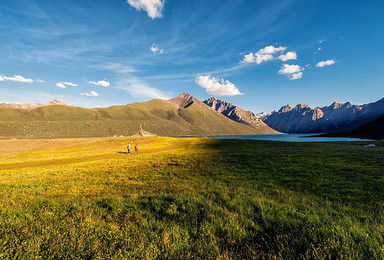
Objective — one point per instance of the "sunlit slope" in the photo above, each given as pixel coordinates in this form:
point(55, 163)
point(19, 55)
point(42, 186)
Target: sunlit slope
point(157, 116)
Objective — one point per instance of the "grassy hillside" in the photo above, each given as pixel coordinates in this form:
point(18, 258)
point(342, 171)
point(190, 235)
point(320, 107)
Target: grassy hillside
point(157, 116)
point(190, 198)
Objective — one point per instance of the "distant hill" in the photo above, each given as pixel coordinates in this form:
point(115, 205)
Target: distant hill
point(31, 105)
point(333, 118)
point(371, 130)
point(236, 113)
point(183, 115)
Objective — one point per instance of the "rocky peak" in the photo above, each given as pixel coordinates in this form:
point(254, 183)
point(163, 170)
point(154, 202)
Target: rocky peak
point(285, 109)
point(301, 106)
point(337, 104)
point(185, 100)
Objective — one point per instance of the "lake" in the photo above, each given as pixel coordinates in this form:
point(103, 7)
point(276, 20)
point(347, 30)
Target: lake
point(290, 138)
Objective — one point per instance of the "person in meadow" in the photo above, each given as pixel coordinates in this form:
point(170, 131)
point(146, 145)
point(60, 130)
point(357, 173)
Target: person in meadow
point(129, 148)
point(136, 149)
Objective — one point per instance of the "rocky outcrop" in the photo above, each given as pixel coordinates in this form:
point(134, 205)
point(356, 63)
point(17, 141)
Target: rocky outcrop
point(234, 112)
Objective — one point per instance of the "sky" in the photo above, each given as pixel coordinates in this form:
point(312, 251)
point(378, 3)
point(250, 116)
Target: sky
point(257, 54)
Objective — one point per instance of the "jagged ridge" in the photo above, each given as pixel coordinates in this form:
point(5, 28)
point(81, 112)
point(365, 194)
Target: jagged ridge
point(336, 117)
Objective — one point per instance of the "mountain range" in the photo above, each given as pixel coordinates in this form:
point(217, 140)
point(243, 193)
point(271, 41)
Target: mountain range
point(186, 115)
point(183, 115)
point(333, 118)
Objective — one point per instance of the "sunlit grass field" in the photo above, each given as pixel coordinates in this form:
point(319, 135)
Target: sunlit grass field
point(190, 198)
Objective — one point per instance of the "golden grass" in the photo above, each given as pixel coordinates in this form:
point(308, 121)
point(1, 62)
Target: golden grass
point(189, 198)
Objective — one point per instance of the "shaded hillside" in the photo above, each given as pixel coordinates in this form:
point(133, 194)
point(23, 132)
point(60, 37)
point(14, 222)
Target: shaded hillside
point(333, 118)
point(238, 114)
point(160, 117)
point(371, 130)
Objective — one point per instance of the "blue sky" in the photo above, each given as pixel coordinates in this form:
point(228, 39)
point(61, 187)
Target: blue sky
point(259, 55)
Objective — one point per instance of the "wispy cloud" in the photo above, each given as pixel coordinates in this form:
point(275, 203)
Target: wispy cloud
point(90, 94)
point(16, 78)
point(217, 86)
point(40, 81)
point(65, 84)
point(119, 68)
point(293, 72)
point(140, 89)
point(153, 8)
point(102, 83)
point(325, 63)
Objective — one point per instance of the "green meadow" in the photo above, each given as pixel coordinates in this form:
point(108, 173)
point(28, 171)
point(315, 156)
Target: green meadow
point(183, 198)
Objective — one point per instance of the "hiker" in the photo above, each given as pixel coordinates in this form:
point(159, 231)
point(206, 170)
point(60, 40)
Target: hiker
point(129, 148)
point(136, 149)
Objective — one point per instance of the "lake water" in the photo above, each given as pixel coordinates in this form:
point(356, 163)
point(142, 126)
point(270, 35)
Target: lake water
point(290, 138)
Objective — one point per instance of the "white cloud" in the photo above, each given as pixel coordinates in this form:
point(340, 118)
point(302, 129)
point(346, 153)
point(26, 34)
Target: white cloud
point(297, 75)
point(60, 85)
point(16, 78)
point(325, 63)
point(217, 87)
point(271, 49)
point(153, 8)
point(140, 89)
point(256, 58)
point(70, 84)
point(102, 83)
point(154, 48)
point(291, 55)
point(264, 54)
point(40, 81)
point(65, 84)
point(292, 71)
point(90, 94)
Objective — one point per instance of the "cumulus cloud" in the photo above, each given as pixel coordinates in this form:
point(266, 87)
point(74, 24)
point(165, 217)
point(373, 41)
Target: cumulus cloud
point(154, 48)
point(256, 58)
point(65, 84)
point(264, 54)
point(90, 94)
point(217, 87)
point(292, 71)
point(291, 55)
point(16, 78)
point(325, 63)
point(102, 83)
point(153, 8)
point(271, 49)
point(140, 89)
